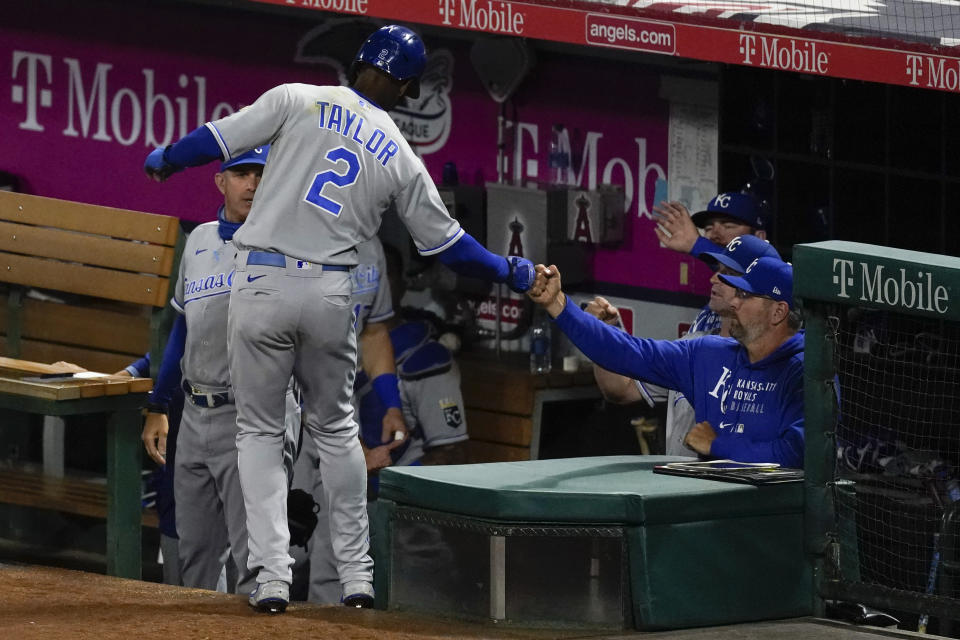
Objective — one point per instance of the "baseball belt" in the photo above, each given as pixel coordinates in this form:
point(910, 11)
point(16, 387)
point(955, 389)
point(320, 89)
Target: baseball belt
point(205, 399)
point(272, 259)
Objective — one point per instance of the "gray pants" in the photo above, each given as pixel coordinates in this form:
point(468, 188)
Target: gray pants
point(210, 511)
point(287, 321)
point(324, 580)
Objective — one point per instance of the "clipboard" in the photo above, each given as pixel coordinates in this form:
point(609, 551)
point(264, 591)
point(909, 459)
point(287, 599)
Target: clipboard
point(755, 473)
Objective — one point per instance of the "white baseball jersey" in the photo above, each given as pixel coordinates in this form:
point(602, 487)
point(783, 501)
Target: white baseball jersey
point(337, 161)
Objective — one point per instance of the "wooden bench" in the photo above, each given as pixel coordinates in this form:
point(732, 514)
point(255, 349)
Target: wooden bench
point(78, 496)
point(90, 285)
point(84, 283)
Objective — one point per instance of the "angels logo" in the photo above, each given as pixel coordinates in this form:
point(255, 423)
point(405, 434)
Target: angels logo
point(425, 121)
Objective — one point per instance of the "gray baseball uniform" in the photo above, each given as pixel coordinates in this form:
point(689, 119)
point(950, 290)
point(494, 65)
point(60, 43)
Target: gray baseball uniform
point(433, 411)
point(337, 161)
point(210, 511)
point(371, 303)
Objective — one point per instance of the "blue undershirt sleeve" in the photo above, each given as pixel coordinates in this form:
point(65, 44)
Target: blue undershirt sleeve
point(468, 258)
point(168, 378)
point(140, 368)
point(385, 386)
point(662, 362)
point(194, 149)
point(702, 245)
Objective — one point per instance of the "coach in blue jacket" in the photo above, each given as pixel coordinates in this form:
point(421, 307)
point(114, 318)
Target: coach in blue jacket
point(746, 390)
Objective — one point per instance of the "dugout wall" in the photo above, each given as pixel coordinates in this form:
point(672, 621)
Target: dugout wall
point(882, 393)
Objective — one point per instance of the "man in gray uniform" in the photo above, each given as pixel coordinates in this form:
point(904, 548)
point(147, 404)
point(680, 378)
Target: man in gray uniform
point(338, 162)
point(372, 308)
point(429, 386)
point(209, 503)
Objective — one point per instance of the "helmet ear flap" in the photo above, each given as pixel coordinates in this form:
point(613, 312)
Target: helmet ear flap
point(413, 89)
point(352, 72)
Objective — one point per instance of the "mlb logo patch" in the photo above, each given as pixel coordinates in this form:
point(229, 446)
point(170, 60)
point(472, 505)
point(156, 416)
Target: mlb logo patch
point(303, 264)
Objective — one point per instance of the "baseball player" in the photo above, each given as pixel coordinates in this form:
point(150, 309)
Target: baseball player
point(372, 303)
point(338, 161)
point(209, 503)
point(429, 385)
point(746, 390)
point(733, 260)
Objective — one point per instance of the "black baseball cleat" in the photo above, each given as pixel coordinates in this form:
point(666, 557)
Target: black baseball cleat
point(358, 594)
point(270, 597)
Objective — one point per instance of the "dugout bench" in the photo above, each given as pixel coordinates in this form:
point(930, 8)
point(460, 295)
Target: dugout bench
point(594, 542)
point(85, 284)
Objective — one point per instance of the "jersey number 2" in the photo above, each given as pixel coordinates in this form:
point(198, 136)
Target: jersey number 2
point(340, 180)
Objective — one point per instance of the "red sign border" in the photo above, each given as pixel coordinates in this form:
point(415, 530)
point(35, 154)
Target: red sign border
point(871, 59)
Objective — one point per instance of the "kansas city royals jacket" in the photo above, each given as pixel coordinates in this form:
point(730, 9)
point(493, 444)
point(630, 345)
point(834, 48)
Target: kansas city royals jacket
point(756, 409)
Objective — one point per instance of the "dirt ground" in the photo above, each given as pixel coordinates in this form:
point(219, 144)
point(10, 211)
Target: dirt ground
point(44, 602)
point(61, 604)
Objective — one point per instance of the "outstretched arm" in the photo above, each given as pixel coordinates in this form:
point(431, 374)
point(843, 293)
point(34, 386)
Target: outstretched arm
point(663, 362)
point(194, 149)
point(469, 258)
point(614, 387)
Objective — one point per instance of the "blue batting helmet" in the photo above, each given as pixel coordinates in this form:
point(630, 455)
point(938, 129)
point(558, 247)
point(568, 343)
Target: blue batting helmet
point(398, 52)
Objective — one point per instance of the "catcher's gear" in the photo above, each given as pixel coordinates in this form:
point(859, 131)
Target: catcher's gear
point(398, 52)
point(301, 516)
point(157, 166)
point(521, 274)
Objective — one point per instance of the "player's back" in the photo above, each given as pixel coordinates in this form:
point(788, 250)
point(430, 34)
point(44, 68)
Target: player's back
point(336, 162)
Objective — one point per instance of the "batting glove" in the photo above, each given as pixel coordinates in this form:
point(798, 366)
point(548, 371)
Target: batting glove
point(521, 274)
point(157, 167)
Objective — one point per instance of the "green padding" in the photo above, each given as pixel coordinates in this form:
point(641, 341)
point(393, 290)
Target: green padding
point(719, 571)
point(614, 489)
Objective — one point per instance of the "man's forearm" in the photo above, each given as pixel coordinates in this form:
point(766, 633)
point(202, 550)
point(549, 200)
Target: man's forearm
point(615, 387)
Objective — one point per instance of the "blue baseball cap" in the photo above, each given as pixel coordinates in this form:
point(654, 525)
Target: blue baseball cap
point(257, 155)
point(739, 206)
point(743, 250)
point(766, 276)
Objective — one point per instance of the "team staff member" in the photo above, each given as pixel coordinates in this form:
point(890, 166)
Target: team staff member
point(733, 260)
point(727, 216)
point(210, 511)
point(338, 161)
point(747, 390)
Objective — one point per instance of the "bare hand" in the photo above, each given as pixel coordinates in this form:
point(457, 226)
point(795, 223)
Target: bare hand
point(392, 424)
point(545, 290)
point(700, 438)
point(379, 457)
point(601, 309)
point(675, 228)
point(154, 436)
